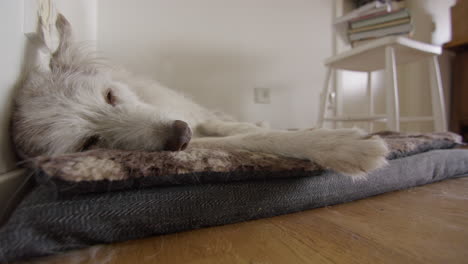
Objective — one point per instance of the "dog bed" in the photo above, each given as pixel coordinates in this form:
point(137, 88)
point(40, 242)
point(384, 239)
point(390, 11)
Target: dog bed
point(104, 196)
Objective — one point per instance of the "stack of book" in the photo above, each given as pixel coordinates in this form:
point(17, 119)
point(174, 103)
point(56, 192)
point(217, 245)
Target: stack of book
point(374, 20)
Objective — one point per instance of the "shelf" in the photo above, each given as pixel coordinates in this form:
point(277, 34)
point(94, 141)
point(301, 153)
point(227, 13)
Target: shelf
point(371, 56)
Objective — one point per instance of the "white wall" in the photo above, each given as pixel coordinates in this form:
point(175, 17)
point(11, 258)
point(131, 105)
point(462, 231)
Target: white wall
point(217, 51)
point(432, 25)
point(13, 46)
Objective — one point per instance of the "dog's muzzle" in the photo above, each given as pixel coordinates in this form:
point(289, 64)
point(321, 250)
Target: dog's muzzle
point(180, 136)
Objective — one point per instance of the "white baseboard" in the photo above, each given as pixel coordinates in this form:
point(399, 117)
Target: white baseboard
point(10, 184)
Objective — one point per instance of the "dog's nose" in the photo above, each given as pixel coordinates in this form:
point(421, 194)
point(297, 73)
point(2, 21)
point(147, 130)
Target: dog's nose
point(180, 136)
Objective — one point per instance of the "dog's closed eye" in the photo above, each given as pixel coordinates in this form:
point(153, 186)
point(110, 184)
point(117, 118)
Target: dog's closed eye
point(110, 97)
point(89, 143)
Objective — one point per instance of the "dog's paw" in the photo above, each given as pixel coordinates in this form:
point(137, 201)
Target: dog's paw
point(348, 151)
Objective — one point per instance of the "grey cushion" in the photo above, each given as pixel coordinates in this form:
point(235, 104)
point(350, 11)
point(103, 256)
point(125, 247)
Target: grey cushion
point(46, 223)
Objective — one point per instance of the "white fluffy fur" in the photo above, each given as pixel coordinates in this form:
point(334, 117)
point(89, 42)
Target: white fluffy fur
point(63, 104)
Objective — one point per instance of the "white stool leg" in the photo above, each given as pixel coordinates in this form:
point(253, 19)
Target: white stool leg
point(370, 100)
point(437, 94)
point(391, 90)
point(324, 99)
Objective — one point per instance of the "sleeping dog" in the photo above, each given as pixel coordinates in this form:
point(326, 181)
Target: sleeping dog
point(73, 102)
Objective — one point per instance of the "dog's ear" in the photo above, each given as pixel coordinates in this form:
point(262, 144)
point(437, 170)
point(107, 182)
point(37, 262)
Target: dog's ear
point(70, 55)
point(53, 41)
point(62, 53)
point(64, 32)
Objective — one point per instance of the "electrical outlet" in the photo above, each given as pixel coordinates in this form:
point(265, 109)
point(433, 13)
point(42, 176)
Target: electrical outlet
point(261, 95)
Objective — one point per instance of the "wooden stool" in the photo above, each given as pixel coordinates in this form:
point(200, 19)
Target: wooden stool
point(386, 53)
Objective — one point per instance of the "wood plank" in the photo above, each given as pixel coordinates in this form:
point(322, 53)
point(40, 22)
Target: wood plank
point(427, 224)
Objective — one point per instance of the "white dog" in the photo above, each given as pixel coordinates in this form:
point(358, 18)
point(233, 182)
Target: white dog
point(77, 102)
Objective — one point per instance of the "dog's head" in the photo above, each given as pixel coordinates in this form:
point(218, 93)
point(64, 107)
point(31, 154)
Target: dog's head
point(78, 103)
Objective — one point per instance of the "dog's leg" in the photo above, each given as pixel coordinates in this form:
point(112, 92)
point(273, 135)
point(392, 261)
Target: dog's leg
point(349, 151)
point(217, 128)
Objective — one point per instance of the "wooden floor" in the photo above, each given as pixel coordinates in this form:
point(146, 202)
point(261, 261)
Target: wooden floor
point(426, 224)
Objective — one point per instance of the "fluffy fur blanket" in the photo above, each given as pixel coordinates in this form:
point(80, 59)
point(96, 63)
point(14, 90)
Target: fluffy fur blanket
point(106, 169)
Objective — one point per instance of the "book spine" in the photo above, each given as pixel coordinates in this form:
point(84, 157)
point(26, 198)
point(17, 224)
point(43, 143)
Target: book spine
point(377, 12)
point(382, 25)
point(380, 19)
point(361, 42)
point(360, 11)
point(400, 29)
point(373, 12)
